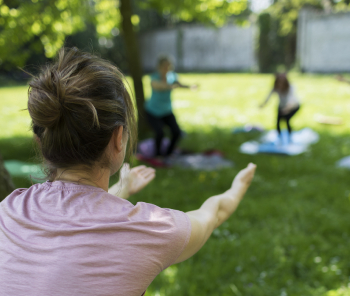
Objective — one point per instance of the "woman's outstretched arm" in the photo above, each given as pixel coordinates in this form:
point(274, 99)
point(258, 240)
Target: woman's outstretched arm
point(215, 210)
point(267, 99)
point(162, 85)
point(192, 86)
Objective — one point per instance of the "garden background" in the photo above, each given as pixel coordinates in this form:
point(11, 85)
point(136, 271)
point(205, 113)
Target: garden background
point(290, 235)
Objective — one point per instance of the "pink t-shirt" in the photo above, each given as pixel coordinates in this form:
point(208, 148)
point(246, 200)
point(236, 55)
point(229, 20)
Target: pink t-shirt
point(64, 239)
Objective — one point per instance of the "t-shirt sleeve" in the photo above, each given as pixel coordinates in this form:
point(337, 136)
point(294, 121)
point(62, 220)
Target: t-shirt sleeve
point(182, 235)
point(168, 232)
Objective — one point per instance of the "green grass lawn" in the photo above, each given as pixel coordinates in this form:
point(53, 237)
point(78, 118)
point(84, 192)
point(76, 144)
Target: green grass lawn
point(291, 234)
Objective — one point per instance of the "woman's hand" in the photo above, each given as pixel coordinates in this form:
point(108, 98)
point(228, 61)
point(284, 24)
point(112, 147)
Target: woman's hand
point(232, 197)
point(136, 178)
point(194, 87)
point(174, 85)
point(215, 210)
point(132, 180)
point(243, 179)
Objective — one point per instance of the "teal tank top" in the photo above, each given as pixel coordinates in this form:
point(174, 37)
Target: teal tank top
point(159, 104)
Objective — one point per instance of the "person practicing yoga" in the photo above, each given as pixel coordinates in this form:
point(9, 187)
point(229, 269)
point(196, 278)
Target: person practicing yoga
point(158, 108)
point(73, 235)
point(288, 102)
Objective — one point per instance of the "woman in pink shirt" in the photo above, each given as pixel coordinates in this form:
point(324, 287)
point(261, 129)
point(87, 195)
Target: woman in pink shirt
point(72, 235)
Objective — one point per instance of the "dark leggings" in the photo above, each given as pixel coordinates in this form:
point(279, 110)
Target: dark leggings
point(287, 117)
point(157, 124)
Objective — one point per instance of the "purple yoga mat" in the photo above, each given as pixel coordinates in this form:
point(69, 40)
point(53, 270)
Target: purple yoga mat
point(148, 148)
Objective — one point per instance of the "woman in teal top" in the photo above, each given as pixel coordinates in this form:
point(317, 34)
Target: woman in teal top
point(158, 108)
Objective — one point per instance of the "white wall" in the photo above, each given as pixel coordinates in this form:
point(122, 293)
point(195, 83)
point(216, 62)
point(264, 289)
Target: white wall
point(198, 48)
point(152, 44)
point(324, 42)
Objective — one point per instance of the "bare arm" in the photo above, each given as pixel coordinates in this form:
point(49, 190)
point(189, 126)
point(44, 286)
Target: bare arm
point(192, 86)
point(267, 99)
point(215, 210)
point(132, 180)
point(162, 85)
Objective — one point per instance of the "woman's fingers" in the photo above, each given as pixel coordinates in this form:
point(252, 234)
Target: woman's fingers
point(125, 166)
point(246, 175)
point(251, 166)
point(249, 171)
point(143, 172)
point(150, 177)
point(147, 171)
point(139, 168)
point(124, 170)
point(139, 178)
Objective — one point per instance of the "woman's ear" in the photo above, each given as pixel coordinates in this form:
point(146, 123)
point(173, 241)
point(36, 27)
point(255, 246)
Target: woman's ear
point(118, 138)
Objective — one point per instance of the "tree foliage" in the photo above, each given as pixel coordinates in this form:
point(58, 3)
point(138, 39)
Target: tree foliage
point(207, 11)
point(28, 26)
point(278, 30)
point(36, 25)
point(287, 11)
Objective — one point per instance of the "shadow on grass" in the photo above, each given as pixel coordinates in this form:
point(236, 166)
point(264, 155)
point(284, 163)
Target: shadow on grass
point(290, 236)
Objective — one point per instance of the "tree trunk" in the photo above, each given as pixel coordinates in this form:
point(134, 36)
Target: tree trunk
point(6, 184)
point(134, 62)
point(290, 50)
point(265, 48)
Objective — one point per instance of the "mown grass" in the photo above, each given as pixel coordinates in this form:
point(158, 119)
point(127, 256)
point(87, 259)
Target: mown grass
point(290, 236)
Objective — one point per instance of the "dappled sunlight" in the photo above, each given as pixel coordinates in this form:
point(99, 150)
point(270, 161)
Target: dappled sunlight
point(343, 291)
point(108, 16)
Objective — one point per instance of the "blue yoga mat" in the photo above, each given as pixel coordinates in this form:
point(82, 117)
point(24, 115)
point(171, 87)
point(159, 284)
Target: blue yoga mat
point(272, 143)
